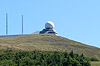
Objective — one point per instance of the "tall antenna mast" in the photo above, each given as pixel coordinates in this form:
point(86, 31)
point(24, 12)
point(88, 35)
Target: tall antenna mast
point(22, 24)
point(6, 23)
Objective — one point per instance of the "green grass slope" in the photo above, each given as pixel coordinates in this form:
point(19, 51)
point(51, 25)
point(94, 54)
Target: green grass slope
point(48, 43)
point(95, 63)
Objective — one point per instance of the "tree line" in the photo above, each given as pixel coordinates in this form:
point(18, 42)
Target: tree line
point(42, 58)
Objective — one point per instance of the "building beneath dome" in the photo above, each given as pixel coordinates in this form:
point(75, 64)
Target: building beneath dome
point(49, 29)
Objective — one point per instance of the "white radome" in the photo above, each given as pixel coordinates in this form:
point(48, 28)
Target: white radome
point(50, 25)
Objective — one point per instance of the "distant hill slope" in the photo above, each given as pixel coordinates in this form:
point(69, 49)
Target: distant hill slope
point(47, 43)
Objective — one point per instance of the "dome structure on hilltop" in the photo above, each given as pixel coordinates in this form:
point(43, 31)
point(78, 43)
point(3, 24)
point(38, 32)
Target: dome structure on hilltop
point(49, 29)
point(49, 25)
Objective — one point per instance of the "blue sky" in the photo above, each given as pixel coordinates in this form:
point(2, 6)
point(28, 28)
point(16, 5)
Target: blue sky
point(78, 20)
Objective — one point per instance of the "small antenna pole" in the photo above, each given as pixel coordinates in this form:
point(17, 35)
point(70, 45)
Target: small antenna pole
point(22, 24)
point(6, 23)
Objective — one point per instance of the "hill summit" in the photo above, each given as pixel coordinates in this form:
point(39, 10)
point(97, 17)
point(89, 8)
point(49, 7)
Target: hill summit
point(48, 43)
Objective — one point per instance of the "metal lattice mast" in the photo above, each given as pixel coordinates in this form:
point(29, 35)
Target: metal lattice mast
point(22, 24)
point(6, 23)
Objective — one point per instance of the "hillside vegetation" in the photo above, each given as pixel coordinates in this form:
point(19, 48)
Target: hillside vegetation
point(47, 43)
point(95, 63)
point(42, 58)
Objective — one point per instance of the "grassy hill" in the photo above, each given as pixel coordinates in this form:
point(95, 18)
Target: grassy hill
point(47, 43)
point(95, 63)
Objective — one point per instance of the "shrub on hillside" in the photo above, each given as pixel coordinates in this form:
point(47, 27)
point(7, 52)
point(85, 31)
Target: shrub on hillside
point(94, 59)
